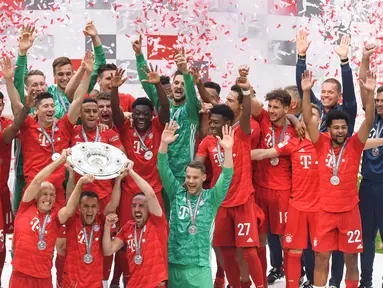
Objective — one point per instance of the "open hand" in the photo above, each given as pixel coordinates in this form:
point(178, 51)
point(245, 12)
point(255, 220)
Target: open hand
point(342, 49)
point(370, 83)
point(307, 80)
point(88, 62)
point(153, 76)
point(302, 43)
point(90, 29)
point(118, 78)
point(6, 68)
point(26, 39)
point(169, 136)
point(227, 140)
point(137, 45)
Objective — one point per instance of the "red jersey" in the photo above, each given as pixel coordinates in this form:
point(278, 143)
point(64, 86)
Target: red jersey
point(126, 101)
point(102, 187)
point(255, 141)
point(76, 272)
point(343, 197)
point(147, 169)
point(37, 151)
point(268, 176)
point(154, 252)
point(28, 259)
point(241, 186)
point(5, 157)
point(305, 184)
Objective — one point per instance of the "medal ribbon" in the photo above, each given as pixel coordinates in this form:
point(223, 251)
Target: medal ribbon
point(88, 242)
point(42, 229)
point(280, 136)
point(50, 140)
point(193, 214)
point(138, 244)
point(96, 139)
point(335, 162)
point(61, 99)
point(142, 139)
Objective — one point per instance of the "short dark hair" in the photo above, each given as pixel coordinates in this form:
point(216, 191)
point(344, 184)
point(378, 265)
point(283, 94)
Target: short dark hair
point(336, 82)
point(59, 62)
point(281, 95)
point(1, 96)
point(41, 96)
point(336, 115)
point(164, 80)
point(316, 107)
point(32, 73)
point(143, 101)
point(197, 165)
point(104, 96)
point(89, 100)
point(224, 110)
point(106, 67)
point(178, 72)
point(238, 89)
point(213, 85)
point(90, 194)
point(380, 89)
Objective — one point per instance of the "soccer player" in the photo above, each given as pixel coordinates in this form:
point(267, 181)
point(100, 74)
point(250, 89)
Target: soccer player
point(339, 224)
point(36, 229)
point(165, 82)
point(145, 237)
point(105, 110)
point(84, 261)
point(273, 176)
point(193, 211)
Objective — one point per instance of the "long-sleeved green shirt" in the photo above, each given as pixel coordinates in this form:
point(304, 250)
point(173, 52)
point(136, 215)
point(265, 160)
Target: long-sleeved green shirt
point(184, 248)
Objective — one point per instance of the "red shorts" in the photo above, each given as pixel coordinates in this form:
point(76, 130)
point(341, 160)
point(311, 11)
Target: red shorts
point(19, 279)
point(238, 226)
point(299, 224)
point(274, 203)
point(339, 231)
point(125, 207)
point(6, 213)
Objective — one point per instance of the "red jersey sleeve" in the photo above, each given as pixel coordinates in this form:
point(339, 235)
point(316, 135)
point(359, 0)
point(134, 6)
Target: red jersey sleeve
point(157, 125)
point(158, 220)
point(203, 148)
point(25, 205)
point(27, 123)
point(286, 148)
point(355, 142)
point(66, 127)
point(256, 133)
point(126, 101)
point(262, 116)
point(121, 233)
point(323, 137)
point(113, 138)
point(124, 127)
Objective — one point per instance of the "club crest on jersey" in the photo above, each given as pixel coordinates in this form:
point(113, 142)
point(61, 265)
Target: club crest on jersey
point(289, 238)
point(96, 228)
point(282, 144)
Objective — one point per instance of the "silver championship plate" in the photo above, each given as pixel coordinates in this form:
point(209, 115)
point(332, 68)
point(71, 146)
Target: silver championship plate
point(88, 259)
point(102, 160)
point(138, 259)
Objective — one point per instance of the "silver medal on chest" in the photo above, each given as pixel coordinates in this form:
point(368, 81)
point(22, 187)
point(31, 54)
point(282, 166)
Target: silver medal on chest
point(148, 155)
point(42, 245)
point(88, 259)
point(193, 229)
point(335, 180)
point(55, 156)
point(274, 161)
point(138, 259)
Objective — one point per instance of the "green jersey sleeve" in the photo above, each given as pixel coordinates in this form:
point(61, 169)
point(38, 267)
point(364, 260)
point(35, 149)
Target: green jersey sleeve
point(99, 60)
point(20, 72)
point(193, 105)
point(169, 182)
point(149, 89)
point(219, 191)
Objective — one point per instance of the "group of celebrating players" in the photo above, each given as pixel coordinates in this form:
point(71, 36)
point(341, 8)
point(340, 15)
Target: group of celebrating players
point(200, 173)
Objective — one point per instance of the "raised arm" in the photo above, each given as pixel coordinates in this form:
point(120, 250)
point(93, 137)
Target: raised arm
point(109, 245)
point(75, 109)
point(311, 125)
point(154, 78)
point(368, 50)
point(71, 205)
point(74, 83)
point(205, 95)
point(8, 72)
point(34, 188)
point(369, 85)
point(117, 81)
point(247, 92)
point(260, 154)
point(71, 184)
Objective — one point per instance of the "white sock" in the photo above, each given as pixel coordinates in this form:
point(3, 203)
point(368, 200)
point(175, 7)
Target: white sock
point(105, 283)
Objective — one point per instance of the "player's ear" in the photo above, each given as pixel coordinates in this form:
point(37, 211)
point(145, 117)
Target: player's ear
point(204, 177)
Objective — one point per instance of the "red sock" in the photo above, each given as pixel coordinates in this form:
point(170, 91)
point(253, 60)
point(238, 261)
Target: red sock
point(231, 266)
point(220, 271)
point(263, 258)
point(117, 268)
point(285, 261)
point(351, 283)
point(255, 266)
point(293, 269)
point(59, 263)
point(108, 260)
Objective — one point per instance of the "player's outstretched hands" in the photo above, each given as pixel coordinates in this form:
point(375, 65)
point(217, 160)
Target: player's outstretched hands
point(152, 74)
point(368, 50)
point(86, 179)
point(194, 71)
point(6, 68)
point(227, 140)
point(90, 29)
point(342, 49)
point(137, 45)
point(111, 219)
point(88, 61)
point(29, 100)
point(307, 80)
point(370, 83)
point(180, 59)
point(118, 78)
point(128, 166)
point(65, 153)
point(302, 43)
point(168, 135)
point(26, 39)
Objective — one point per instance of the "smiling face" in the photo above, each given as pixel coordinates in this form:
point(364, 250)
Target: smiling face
point(62, 75)
point(178, 88)
point(216, 122)
point(276, 110)
point(35, 85)
point(140, 210)
point(329, 95)
point(45, 111)
point(105, 81)
point(194, 180)
point(89, 115)
point(105, 111)
point(142, 116)
point(338, 131)
point(379, 103)
point(89, 207)
point(46, 197)
point(232, 102)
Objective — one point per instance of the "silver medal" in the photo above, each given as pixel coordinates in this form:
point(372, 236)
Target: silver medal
point(274, 161)
point(375, 152)
point(88, 259)
point(42, 245)
point(335, 180)
point(138, 259)
point(148, 155)
point(193, 229)
point(55, 156)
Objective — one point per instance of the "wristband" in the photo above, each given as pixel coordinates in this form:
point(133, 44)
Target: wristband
point(246, 92)
point(301, 57)
point(344, 60)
